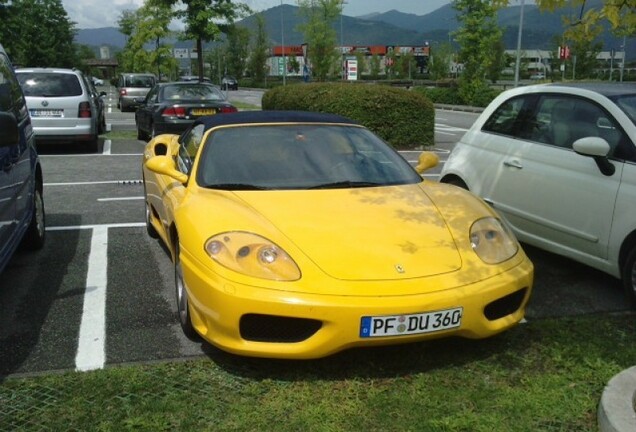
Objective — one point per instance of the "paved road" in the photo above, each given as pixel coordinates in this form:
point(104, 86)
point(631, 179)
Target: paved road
point(101, 291)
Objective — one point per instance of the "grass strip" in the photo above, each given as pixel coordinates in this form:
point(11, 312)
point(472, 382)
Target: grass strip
point(542, 376)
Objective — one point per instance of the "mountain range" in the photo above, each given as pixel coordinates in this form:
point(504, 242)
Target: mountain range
point(541, 30)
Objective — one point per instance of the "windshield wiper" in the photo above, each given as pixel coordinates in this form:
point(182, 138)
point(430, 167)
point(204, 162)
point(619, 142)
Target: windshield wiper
point(345, 184)
point(235, 186)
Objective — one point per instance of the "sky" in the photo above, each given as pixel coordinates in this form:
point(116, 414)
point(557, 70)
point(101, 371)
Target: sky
point(104, 13)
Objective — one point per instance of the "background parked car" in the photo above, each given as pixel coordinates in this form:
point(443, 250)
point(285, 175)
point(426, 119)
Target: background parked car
point(194, 78)
point(64, 106)
point(229, 83)
point(21, 202)
point(97, 82)
point(559, 163)
point(132, 86)
point(172, 107)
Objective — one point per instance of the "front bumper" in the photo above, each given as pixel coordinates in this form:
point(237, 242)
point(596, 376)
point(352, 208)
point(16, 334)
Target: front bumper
point(221, 309)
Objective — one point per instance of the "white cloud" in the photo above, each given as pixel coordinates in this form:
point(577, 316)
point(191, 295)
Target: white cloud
point(105, 13)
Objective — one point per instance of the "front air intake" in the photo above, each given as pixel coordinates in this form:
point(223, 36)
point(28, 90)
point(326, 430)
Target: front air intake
point(278, 329)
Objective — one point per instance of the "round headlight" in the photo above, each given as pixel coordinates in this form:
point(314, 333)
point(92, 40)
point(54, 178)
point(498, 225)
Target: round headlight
point(492, 241)
point(252, 255)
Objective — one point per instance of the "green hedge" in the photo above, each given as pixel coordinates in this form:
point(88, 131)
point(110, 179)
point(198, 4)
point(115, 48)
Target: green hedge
point(403, 118)
point(452, 96)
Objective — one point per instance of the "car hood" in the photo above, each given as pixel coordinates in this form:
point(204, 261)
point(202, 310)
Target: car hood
point(378, 233)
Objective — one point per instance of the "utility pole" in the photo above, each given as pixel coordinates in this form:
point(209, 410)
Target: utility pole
point(282, 36)
point(518, 62)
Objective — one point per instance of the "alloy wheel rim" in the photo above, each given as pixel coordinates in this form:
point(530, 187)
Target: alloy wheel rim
point(39, 214)
point(182, 299)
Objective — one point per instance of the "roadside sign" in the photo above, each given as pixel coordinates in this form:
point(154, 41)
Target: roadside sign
point(181, 53)
point(352, 70)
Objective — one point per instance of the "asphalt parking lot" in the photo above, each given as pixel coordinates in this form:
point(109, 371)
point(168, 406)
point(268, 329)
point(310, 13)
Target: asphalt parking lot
point(101, 290)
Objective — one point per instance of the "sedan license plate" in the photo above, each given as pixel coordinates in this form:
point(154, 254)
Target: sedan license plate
point(46, 113)
point(402, 325)
point(203, 111)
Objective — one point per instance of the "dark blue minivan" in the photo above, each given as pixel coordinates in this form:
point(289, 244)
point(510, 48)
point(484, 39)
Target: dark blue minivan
point(21, 202)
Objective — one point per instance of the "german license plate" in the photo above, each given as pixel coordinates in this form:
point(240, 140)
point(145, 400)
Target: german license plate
point(402, 325)
point(203, 111)
point(47, 113)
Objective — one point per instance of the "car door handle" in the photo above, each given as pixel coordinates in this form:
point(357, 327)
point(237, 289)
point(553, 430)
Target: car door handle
point(514, 163)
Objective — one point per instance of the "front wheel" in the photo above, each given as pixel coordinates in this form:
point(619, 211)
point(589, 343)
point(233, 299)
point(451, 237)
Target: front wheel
point(150, 229)
point(183, 305)
point(34, 238)
point(455, 182)
point(629, 277)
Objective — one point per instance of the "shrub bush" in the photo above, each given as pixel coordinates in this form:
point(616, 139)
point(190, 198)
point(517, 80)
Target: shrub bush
point(403, 118)
point(452, 96)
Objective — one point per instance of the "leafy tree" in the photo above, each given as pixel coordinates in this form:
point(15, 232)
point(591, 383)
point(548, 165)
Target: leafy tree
point(584, 53)
point(260, 51)
point(293, 64)
point(405, 65)
point(375, 66)
point(202, 20)
point(238, 41)
point(499, 60)
point(362, 63)
point(621, 15)
point(476, 36)
point(320, 34)
point(38, 33)
point(439, 61)
point(83, 53)
point(144, 26)
point(214, 57)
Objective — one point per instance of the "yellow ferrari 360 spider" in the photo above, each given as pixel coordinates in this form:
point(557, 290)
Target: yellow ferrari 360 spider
point(297, 235)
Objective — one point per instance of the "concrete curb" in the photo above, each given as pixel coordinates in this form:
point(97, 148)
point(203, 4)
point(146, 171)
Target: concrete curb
point(616, 409)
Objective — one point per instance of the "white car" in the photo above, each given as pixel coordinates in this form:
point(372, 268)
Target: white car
point(558, 162)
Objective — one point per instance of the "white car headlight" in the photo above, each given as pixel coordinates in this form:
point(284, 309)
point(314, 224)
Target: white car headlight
point(492, 241)
point(252, 255)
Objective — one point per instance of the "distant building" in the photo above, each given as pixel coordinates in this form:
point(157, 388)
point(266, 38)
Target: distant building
point(294, 54)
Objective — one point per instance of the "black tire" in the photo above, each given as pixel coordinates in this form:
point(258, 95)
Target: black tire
point(141, 135)
point(456, 182)
point(101, 127)
point(92, 146)
point(629, 277)
point(183, 305)
point(152, 232)
point(36, 233)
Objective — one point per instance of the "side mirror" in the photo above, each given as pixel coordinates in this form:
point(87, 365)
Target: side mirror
point(598, 149)
point(9, 134)
point(426, 161)
point(165, 165)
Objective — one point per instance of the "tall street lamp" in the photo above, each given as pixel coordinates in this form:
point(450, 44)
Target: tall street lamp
point(518, 62)
point(282, 37)
point(342, 54)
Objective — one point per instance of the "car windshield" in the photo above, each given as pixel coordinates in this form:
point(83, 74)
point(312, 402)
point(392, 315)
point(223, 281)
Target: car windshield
point(44, 84)
point(300, 157)
point(191, 92)
point(139, 81)
point(628, 105)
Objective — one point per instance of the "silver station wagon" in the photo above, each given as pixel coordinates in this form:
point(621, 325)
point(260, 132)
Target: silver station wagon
point(64, 106)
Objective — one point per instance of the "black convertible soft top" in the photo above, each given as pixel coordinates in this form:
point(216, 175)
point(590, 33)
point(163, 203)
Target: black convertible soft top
point(247, 117)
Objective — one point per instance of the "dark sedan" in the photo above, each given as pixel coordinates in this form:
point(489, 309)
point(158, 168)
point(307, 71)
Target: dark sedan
point(172, 107)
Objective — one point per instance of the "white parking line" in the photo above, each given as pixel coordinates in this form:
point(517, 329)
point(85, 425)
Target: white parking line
point(96, 226)
point(107, 145)
point(95, 183)
point(91, 352)
point(120, 199)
